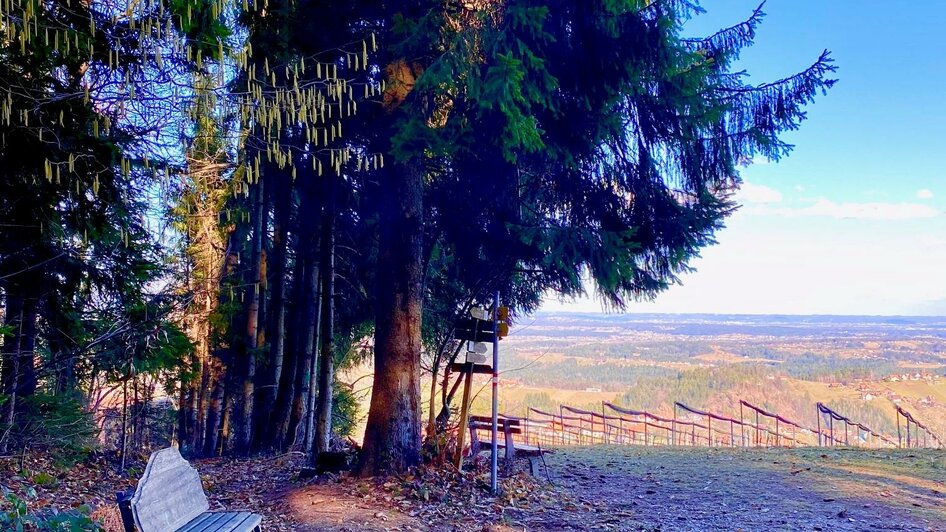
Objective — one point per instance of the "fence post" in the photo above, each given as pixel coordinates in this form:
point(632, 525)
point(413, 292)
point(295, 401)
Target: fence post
point(831, 424)
point(673, 426)
point(607, 429)
point(742, 425)
point(757, 428)
point(818, 417)
point(561, 415)
point(899, 435)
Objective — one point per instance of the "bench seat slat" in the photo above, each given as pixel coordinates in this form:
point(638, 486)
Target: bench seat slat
point(198, 522)
point(240, 522)
point(223, 522)
point(208, 523)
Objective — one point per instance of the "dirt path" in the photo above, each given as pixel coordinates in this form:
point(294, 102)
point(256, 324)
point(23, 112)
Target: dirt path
point(634, 488)
point(719, 489)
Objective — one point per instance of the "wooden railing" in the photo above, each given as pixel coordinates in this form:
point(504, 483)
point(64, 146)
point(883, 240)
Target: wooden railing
point(864, 436)
point(929, 438)
point(800, 435)
point(755, 427)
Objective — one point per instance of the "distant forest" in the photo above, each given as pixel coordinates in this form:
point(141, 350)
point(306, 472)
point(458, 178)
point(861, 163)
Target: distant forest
point(651, 361)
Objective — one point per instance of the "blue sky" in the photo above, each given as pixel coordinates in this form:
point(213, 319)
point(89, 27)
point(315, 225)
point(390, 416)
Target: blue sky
point(852, 222)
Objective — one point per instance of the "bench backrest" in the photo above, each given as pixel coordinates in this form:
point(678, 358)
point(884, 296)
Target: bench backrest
point(169, 493)
point(506, 425)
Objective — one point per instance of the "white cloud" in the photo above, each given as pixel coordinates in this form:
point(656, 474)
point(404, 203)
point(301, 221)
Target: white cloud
point(848, 210)
point(757, 194)
point(924, 194)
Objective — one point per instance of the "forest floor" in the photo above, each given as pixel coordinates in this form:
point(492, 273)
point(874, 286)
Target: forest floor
point(634, 488)
point(592, 488)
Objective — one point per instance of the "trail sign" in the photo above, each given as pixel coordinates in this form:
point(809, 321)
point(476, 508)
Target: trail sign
point(475, 358)
point(475, 330)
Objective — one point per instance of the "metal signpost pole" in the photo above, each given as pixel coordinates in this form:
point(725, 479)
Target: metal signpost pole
point(493, 457)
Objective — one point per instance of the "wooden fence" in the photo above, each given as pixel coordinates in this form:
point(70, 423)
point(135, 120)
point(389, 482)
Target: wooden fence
point(914, 441)
point(829, 435)
point(755, 427)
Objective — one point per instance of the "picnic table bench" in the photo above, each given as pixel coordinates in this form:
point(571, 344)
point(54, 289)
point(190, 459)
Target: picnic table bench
point(170, 497)
point(507, 427)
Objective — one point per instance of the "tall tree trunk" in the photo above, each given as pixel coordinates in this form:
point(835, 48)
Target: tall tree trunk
point(309, 383)
point(323, 423)
point(215, 408)
point(300, 407)
point(273, 382)
point(270, 380)
point(282, 410)
point(392, 437)
point(242, 419)
point(27, 382)
point(9, 365)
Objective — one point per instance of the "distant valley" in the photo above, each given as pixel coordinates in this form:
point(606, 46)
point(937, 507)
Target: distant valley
point(860, 365)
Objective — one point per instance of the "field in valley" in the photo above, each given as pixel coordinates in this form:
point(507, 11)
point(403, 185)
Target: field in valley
point(860, 366)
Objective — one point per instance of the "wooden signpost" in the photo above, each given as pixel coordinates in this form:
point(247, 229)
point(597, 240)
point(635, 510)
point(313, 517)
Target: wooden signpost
point(478, 331)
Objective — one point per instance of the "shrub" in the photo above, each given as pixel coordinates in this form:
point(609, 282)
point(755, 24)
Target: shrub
point(57, 424)
point(15, 516)
point(344, 411)
point(45, 480)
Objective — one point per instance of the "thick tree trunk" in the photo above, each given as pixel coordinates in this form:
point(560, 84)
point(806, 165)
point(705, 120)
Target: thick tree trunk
point(323, 414)
point(271, 382)
point(282, 410)
point(9, 365)
point(26, 383)
point(392, 437)
point(242, 419)
point(215, 408)
point(306, 400)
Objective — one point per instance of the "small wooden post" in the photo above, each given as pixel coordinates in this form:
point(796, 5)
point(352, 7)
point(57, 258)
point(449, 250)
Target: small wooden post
point(709, 430)
point(831, 424)
point(757, 435)
point(673, 427)
point(742, 426)
point(464, 414)
point(899, 435)
point(818, 417)
point(561, 415)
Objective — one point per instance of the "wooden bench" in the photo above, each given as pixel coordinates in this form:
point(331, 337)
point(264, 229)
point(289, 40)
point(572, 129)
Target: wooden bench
point(170, 497)
point(506, 428)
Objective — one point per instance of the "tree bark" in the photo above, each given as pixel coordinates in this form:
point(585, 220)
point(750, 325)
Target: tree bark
point(242, 419)
point(309, 384)
point(9, 365)
point(272, 382)
point(392, 437)
point(213, 417)
point(323, 423)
